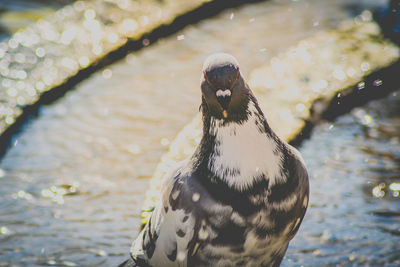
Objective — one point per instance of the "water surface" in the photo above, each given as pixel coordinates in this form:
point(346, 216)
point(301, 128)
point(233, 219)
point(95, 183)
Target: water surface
point(354, 213)
point(73, 183)
point(18, 14)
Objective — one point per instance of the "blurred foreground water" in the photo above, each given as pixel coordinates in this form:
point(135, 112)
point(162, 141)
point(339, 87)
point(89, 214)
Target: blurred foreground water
point(73, 183)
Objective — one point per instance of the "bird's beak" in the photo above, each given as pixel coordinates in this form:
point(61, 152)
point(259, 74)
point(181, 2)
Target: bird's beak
point(224, 98)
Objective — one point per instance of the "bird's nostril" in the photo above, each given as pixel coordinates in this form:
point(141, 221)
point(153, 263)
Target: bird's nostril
point(224, 93)
point(224, 97)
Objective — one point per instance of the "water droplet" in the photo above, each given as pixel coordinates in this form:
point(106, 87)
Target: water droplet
point(144, 20)
point(84, 61)
point(365, 66)
point(394, 186)
point(48, 62)
point(49, 34)
point(12, 92)
point(40, 86)
point(4, 230)
point(12, 43)
point(327, 235)
point(79, 6)
point(21, 74)
point(2, 52)
point(165, 142)
point(9, 120)
point(316, 252)
point(107, 74)
point(97, 49)
point(95, 28)
point(24, 195)
point(339, 74)
point(69, 263)
point(319, 85)
point(90, 14)
point(351, 72)
point(231, 16)
point(366, 15)
point(20, 194)
point(378, 192)
point(130, 59)
point(69, 63)
point(20, 58)
point(21, 101)
point(361, 85)
point(21, 85)
point(134, 149)
point(366, 119)
point(113, 37)
point(180, 37)
point(5, 72)
point(67, 36)
point(146, 42)
point(378, 82)
point(6, 83)
point(196, 197)
point(40, 52)
point(98, 252)
point(128, 26)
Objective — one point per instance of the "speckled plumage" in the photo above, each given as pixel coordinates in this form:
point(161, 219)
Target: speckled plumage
point(240, 198)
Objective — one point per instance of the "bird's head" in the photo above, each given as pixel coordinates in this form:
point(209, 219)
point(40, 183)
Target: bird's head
point(224, 91)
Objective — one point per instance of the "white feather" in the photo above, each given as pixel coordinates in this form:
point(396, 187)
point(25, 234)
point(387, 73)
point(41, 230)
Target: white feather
point(172, 222)
point(245, 148)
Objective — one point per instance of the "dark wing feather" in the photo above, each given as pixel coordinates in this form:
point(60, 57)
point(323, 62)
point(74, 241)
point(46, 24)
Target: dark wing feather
point(170, 228)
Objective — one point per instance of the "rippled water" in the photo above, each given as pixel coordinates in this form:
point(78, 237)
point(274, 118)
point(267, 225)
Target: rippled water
point(354, 214)
point(73, 183)
point(17, 14)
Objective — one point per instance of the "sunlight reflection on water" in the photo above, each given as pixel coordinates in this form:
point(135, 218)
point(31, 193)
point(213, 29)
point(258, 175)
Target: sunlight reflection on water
point(73, 183)
point(354, 211)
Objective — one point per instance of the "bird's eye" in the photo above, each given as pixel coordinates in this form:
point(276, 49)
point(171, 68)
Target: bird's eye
point(237, 76)
point(205, 77)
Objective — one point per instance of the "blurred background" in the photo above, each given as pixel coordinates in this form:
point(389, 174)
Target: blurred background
point(17, 14)
point(74, 177)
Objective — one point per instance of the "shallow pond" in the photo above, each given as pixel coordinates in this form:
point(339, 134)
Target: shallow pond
point(73, 183)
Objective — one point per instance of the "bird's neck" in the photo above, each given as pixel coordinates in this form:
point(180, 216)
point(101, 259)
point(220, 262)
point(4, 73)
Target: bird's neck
point(239, 153)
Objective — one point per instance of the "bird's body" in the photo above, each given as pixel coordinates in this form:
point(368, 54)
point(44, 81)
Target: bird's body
point(240, 198)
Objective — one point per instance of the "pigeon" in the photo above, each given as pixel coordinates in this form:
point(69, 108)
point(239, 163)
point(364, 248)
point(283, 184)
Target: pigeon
point(239, 199)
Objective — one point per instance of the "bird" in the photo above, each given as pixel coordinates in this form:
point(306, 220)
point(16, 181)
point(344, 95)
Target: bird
point(242, 195)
